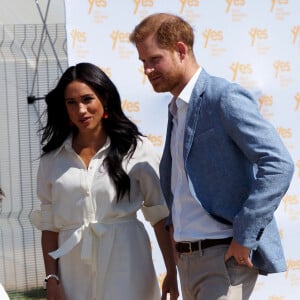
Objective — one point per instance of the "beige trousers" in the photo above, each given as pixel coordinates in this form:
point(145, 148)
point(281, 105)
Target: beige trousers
point(205, 276)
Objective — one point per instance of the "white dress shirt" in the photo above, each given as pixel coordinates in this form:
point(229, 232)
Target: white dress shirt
point(190, 220)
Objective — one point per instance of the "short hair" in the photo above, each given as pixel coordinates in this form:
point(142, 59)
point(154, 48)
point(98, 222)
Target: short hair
point(167, 28)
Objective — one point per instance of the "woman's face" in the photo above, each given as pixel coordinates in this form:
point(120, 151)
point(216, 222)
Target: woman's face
point(84, 107)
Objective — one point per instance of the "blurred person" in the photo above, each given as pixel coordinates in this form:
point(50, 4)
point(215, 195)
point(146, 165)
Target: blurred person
point(1, 197)
point(96, 171)
point(3, 294)
point(224, 169)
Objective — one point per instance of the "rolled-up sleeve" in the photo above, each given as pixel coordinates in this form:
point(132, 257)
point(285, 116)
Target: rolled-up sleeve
point(154, 214)
point(43, 219)
point(154, 207)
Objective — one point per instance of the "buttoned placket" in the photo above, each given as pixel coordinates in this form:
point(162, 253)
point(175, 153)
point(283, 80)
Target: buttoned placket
point(84, 232)
point(177, 150)
point(91, 170)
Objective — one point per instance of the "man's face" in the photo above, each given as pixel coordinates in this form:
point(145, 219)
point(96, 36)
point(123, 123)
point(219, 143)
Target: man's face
point(162, 66)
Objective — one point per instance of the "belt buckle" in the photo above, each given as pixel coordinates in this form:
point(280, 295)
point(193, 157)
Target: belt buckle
point(190, 247)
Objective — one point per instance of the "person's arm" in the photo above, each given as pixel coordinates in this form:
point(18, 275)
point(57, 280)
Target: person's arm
point(43, 220)
point(175, 253)
point(50, 243)
point(164, 240)
point(258, 140)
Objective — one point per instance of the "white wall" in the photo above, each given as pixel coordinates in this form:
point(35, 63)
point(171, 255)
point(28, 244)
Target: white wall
point(27, 11)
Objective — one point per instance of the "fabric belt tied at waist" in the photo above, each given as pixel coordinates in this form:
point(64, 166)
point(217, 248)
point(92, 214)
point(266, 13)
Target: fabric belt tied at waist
point(189, 247)
point(87, 233)
point(90, 234)
point(84, 233)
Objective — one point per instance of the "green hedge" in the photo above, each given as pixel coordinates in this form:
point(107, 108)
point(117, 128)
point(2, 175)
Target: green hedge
point(37, 294)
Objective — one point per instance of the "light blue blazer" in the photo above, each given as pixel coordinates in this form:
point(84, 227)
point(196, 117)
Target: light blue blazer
point(238, 165)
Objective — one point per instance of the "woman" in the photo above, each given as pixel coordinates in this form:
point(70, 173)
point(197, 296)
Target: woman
point(96, 172)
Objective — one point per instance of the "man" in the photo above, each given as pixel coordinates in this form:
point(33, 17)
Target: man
point(224, 169)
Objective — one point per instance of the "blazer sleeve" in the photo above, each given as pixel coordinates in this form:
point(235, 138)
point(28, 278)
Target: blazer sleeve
point(261, 144)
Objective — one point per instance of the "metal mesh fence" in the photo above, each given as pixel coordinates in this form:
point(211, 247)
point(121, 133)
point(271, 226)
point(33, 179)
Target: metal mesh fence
point(32, 58)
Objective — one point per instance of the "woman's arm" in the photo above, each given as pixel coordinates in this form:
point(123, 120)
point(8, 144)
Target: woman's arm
point(50, 243)
point(166, 246)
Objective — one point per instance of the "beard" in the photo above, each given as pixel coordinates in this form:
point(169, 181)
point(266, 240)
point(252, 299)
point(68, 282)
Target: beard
point(166, 82)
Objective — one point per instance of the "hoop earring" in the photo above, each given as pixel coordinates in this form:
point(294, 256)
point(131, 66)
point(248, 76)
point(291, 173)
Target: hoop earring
point(105, 114)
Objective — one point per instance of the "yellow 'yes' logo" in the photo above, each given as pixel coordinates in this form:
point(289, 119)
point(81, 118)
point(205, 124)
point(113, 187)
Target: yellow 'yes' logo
point(295, 33)
point(143, 3)
point(156, 140)
point(240, 68)
point(289, 200)
point(292, 265)
point(274, 2)
point(235, 3)
point(298, 166)
point(256, 33)
point(265, 100)
point(213, 35)
point(281, 66)
point(144, 76)
point(129, 106)
point(122, 37)
point(106, 70)
point(297, 98)
point(285, 133)
point(98, 3)
point(77, 36)
point(190, 3)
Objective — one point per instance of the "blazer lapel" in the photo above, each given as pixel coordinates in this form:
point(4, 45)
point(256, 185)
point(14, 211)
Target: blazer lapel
point(193, 113)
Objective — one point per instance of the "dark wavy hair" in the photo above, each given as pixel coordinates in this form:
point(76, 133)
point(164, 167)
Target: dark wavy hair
point(122, 132)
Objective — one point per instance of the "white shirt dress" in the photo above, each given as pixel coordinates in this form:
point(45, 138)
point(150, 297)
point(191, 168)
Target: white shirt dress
point(104, 250)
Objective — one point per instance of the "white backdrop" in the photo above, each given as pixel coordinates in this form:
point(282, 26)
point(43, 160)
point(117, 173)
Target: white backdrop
point(255, 43)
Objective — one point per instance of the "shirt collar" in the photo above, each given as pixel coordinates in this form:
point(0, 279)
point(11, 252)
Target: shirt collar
point(67, 144)
point(185, 94)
